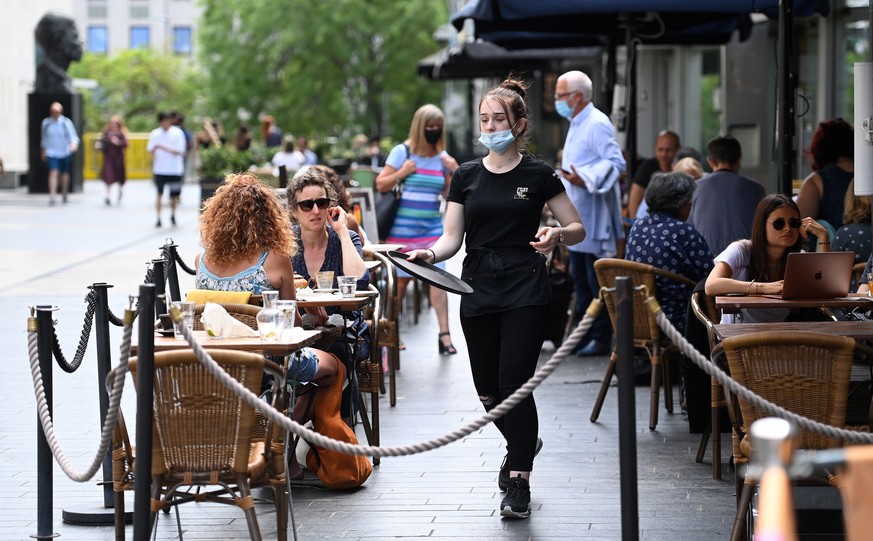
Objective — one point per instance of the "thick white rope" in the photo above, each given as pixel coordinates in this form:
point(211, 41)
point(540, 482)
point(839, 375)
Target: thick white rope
point(368, 450)
point(45, 419)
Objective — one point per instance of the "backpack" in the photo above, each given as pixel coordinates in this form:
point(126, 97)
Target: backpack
point(338, 471)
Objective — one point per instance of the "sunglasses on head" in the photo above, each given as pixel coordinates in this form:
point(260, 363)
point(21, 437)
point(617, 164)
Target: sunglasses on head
point(306, 205)
point(779, 223)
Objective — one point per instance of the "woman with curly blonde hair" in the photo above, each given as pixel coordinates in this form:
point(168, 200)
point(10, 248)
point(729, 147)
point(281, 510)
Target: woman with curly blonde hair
point(247, 240)
point(247, 246)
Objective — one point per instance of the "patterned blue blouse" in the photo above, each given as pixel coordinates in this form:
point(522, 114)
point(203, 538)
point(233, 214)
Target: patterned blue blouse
point(252, 279)
point(665, 242)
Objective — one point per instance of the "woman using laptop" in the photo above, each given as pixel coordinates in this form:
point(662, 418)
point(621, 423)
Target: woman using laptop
point(757, 266)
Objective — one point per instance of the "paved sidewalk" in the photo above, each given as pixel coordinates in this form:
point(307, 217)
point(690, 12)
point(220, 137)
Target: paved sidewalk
point(50, 256)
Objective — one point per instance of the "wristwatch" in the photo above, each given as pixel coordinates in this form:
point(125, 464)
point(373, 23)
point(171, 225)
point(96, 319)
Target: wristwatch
point(560, 235)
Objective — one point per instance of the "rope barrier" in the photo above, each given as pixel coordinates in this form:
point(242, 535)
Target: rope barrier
point(315, 438)
point(115, 320)
point(725, 379)
point(173, 258)
point(91, 299)
point(116, 376)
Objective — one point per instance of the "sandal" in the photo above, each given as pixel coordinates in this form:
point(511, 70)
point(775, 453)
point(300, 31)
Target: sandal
point(445, 349)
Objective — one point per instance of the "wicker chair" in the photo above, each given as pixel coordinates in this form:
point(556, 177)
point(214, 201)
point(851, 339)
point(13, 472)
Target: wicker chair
point(806, 373)
point(245, 313)
point(647, 334)
point(206, 436)
point(704, 309)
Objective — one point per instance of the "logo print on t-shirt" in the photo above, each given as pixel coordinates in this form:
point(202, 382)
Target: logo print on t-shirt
point(521, 192)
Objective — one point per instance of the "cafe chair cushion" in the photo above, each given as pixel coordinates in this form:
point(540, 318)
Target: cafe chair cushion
point(202, 296)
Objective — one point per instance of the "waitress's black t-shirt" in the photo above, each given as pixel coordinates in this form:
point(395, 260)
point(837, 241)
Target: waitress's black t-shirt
point(501, 216)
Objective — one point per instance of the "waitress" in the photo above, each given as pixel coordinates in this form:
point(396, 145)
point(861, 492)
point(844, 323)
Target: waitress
point(496, 203)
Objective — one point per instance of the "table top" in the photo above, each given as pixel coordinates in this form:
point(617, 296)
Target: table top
point(291, 341)
point(859, 330)
point(731, 303)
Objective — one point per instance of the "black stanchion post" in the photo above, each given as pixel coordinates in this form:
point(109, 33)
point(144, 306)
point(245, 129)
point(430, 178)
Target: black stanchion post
point(144, 413)
point(159, 280)
point(173, 271)
point(103, 514)
point(627, 436)
point(44, 460)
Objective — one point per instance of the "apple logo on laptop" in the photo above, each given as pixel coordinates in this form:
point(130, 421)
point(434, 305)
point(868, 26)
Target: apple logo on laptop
point(818, 275)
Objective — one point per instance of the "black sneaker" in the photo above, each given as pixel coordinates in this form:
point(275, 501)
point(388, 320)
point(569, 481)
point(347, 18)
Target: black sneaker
point(173, 220)
point(503, 476)
point(516, 503)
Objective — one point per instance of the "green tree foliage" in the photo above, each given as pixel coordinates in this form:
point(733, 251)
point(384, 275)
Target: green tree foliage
point(135, 83)
point(320, 68)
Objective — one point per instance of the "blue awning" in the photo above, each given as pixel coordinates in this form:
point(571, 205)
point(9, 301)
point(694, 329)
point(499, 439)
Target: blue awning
point(550, 23)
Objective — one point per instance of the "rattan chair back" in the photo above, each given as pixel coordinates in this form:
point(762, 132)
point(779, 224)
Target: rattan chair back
point(806, 373)
point(205, 435)
point(646, 333)
point(245, 313)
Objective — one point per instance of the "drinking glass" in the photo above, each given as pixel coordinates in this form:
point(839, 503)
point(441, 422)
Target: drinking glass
point(269, 298)
point(288, 308)
point(187, 309)
point(324, 279)
point(347, 285)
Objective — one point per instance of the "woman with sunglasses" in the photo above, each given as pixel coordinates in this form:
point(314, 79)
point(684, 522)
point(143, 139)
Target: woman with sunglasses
point(757, 266)
point(321, 226)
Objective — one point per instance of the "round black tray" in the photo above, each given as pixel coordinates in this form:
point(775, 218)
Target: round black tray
point(434, 276)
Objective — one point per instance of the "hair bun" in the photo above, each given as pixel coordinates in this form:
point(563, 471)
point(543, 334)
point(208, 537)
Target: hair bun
point(516, 86)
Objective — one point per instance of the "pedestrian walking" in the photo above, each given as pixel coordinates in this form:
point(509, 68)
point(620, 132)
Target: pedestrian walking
point(58, 142)
point(167, 145)
point(114, 146)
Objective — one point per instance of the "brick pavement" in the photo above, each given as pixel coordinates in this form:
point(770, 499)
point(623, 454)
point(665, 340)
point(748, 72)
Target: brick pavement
point(50, 256)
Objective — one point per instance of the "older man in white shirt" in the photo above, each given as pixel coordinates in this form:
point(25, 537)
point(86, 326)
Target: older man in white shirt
point(591, 165)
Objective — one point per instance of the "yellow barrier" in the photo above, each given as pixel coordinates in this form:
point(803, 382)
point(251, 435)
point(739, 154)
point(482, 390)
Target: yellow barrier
point(138, 160)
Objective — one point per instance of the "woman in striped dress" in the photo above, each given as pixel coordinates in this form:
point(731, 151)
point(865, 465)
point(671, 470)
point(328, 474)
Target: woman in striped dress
point(424, 168)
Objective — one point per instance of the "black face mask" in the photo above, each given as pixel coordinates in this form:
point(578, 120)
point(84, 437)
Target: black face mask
point(433, 136)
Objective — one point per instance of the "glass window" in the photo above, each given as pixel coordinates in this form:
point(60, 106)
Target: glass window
point(97, 42)
point(182, 40)
point(139, 36)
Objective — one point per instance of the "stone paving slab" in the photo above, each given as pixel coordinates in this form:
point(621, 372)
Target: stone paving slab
point(50, 256)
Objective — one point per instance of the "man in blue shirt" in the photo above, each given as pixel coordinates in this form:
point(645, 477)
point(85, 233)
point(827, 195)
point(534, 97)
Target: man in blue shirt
point(590, 167)
point(58, 142)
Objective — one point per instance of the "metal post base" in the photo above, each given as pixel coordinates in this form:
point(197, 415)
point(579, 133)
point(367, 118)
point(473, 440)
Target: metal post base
point(93, 515)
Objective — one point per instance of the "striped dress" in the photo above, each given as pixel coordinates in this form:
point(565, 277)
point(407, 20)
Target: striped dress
point(418, 223)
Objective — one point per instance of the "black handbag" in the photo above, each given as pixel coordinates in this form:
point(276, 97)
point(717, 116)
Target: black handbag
point(561, 283)
point(387, 204)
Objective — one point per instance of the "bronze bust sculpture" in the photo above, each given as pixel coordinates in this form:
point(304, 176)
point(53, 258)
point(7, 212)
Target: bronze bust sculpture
point(59, 40)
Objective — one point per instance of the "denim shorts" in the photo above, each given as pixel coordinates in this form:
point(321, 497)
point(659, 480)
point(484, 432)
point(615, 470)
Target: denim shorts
point(303, 366)
point(61, 164)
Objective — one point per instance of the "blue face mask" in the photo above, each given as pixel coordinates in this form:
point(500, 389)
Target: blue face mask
point(563, 108)
point(497, 141)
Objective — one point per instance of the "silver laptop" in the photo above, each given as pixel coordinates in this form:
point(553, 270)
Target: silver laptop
point(815, 275)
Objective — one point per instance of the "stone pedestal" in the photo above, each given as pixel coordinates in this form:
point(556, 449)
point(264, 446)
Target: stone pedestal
point(37, 110)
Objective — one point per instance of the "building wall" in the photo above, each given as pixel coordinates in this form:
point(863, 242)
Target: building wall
point(119, 17)
point(18, 20)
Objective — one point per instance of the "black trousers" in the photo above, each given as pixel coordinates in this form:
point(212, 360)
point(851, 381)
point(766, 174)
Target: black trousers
point(504, 348)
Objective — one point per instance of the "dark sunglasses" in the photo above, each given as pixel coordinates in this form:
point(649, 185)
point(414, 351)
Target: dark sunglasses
point(306, 205)
point(779, 223)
